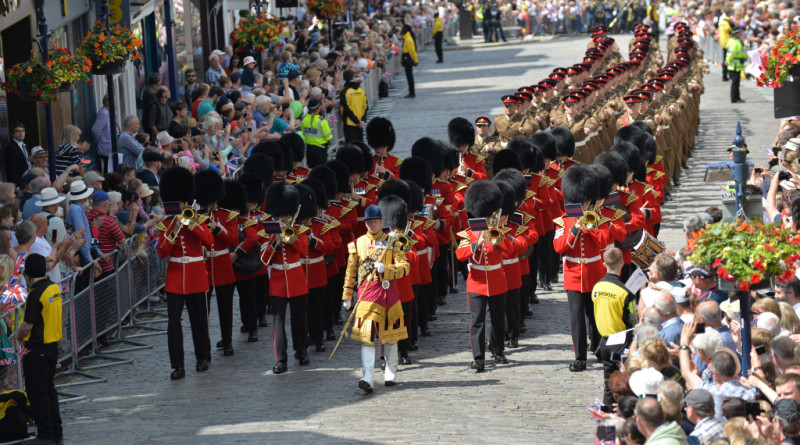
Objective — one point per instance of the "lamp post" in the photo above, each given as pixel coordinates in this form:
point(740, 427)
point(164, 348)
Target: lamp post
point(112, 107)
point(259, 67)
point(740, 173)
point(43, 41)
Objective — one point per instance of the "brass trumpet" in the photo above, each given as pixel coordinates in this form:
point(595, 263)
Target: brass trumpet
point(188, 216)
point(494, 235)
point(590, 220)
point(288, 233)
point(404, 239)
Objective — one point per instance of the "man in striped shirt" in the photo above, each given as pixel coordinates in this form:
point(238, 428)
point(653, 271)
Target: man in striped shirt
point(106, 230)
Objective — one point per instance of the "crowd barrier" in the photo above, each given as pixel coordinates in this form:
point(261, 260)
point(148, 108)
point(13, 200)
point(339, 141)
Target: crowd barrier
point(711, 48)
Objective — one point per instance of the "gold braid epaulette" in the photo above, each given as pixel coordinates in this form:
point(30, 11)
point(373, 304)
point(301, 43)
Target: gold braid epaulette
point(328, 226)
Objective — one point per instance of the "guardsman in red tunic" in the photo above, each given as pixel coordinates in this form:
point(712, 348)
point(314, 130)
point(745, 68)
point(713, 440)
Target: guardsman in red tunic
point(581, 245)
point(486, 284)
point(182, 241)
point(381, 137)
point(287, 283)
point(211, 190)
point(462, 136)
point(343, 211)
point(361, 194)
point(248, 269)
point(298, 146)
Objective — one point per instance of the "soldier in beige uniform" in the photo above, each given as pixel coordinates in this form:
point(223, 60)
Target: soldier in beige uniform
point(575, 121)
point(485, 143)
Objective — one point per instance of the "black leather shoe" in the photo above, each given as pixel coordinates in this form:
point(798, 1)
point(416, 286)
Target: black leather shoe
point(454, 290)
point(501, 359)
point(413, 347)
point(177, 374)
point(242, 330)
point(280, 368)
point(410, 96)
point(513, 343)
point(303, 359)
point(404, 360)
point(579, 365)
point(201, 366)
point(227, 351)
point(252, 337)
point(220, 345)
point(477, 365)
point(330, 336)
point(365, 386)
point(548, 287)
point(676, 183)
point(262, 321)
point(320, 348)
point(432, 317)
point(442, 301)
point(426, 332)
point(740, 101)
point(389, 383)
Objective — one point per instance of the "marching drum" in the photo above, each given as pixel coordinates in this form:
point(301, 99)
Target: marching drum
point(646, 250)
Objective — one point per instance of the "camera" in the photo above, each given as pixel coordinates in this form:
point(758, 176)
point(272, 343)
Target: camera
point(762, 354)
point(752, 409)
point(701, 328)
point(784, 176)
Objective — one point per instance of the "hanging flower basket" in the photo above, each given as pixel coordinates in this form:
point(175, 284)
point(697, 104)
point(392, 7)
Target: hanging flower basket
point(326, 9)
point(110, 49)
point(41, 80)
point(24, 92)
point(256, 33)
point(787, 96)
point(67, 87)
point(110, 68)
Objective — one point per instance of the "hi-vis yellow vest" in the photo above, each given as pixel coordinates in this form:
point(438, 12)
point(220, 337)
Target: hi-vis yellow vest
point(357, 101)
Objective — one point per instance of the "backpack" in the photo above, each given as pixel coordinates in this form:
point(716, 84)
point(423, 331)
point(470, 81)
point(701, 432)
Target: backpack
point(383, 89)
point(14, 414)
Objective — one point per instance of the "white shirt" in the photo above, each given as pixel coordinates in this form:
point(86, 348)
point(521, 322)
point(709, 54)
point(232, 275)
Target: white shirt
point(797, 309)
point(43, 248)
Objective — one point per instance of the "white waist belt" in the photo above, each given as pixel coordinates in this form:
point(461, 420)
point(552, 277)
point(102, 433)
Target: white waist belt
point(503, 144)
point(213, 253)
point(284, 266)
point(485, 268)
point(512, 261)
point(186, 259)
point(312, 260)
point(593, 134)
point(421, 252)
point(581, 143)
point(665, 127)
point(583, 260)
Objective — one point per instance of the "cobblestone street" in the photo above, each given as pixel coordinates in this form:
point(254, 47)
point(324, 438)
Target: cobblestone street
point(533, 399)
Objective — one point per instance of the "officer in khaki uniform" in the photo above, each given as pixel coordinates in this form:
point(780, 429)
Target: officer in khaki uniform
point(575, 121)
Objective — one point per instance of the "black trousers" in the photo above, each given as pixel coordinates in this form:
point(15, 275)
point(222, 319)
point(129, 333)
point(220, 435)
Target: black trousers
point(545, 257)
point(525, 294)
point(533, 263)
point(316, 155)
point(103, 161)
point(478, 326)
point(724, 65)
point(610, 366)
point(196, 306)
point(443, 268)
point(316, 327)
point(410, 78)
point(427, 295)
point(736, 78)
point(298, 309)
point(352, 134)
point(261, 289)
point(247, 304)
point(581, 308)
point(39, 370)
point(437, 44)
point(408, 316)
point(512, 313)
point(224, 296)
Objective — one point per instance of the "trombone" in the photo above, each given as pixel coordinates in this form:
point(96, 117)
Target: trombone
point(494, 235)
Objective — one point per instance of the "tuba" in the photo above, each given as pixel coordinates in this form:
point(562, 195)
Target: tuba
point(494, 235)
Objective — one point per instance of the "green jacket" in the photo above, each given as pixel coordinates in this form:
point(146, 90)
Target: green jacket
point(736, 56)
point(668, 434)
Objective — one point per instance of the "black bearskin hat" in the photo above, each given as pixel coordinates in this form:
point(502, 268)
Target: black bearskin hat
point(616, 165)
point(605, 181)
point(177, 184)
point(415, 199)
point(208, 188)
point(450, 158)
point(320, 193)
point(254, 188)
point(461, 132)
point(262, 165)
point(327, 177)
point(297, 144)
point(380, 133)
point(516, 180)
point(579, 184)
point(565, 141)
point(509, 197)
point(394, 211)
point(417, 170)
point(628, 133)
point(546, 143)
point(235, 197)
point(630, 153)
point(483, 198)
point(432, 151)
point(273, 149)
point(649, 149)
point(366, 155)
point(352, 157)
point(342, 175)
point(308, 202)
point(282, 199)
point(288, 157)
point(394, 187)
point(504, 159)
point(642, 125)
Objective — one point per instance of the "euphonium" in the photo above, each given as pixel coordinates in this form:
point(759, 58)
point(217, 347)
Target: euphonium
point(188, 216)
point(590, 220)
point(494, 235)
point(288, 233)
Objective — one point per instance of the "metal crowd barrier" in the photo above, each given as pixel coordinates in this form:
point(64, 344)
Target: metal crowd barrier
point(712, 49)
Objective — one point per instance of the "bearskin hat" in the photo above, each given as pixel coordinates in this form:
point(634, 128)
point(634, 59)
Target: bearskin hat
point(235, 197)
point(415, 199)
point(605, 181)
point(177, 184)
point(509, 197)
point(630, 153)
point(254, 188)
point(565, 141)
point(394, 187)
point(320, 193)
point(504, 159)
point(328, 179)
point(297, 144)
point(546, 143)
point(380, 133)
point(461, 132)
point(282, 199)
point(616, 165)
point(628, 133)
point(262, 165)
point(342, 175)
point(417, 170)
point(515, 179)
point(308, 202)
point(642, 125)
point(430, 150)
point(450, 158)
point(394, 211)
point(579, 184)
point(649, 149)
point(288, 157)
point(482, 199)
point(273, 149)
point(352, 157)
point(208, 188)
point(366, 155)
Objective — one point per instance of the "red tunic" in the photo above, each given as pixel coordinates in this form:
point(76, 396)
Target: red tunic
point(186, 271)
point(650, 198)
point(369, 195)
point(446, 211)
point(404, 283)
point(287, 277)
point(474, 162)
point(511, 263)
point(583, 263)
point(218, 258)
point(389, 162)
point(422, 249)
point(486, 275)
point(314, 260)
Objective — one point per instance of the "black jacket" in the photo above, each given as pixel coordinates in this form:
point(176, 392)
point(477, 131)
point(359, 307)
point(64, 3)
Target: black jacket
point(15, 164)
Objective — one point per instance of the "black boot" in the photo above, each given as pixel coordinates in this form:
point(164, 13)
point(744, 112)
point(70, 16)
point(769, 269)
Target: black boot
point(227, 351)
point(252, 337)
point(177, 374)
point(201, 366)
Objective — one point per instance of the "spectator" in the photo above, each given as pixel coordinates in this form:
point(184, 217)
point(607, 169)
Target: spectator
point(43, 247)
point(76, 218)
point(706, 344)
point(700, 411)
point(671, 323)
point(207, 106)
point(101, 131)
point(709, 312)
point(353, 101)
point(199, 96)
point(290, 89)
point(70, 152)
point(127, 145)
point(770, 322)
point(783, 353)
point(37, 185)
point(657, 356)
point(154, 81)
point(15, 154)
point(39, 158)
point(152, 168)
point(179, 113)
point(248, 76)
point(159, 113)
point(94, 180)
point(130, 206)
point(787, 421)
point(40, 332)
point(789, 292)
point(106, 230)
point(687, 301)
point(185, 92)
point(214, 71)
point(705, 281)
point(6, 193)
point(650, 421)
point(50, 203)
point(789, 321)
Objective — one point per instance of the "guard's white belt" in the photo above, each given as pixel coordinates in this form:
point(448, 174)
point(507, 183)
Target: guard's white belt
point(485, 268)
point(503, 144)
point(284, 266)
point(312, 260)
point(665, 127)
point(583, 260)
point(511, 261)
point(691, 95)
point(361, 218)
point(422, 252)
point(213, 253)
point(581, 143)
point(593, 134)
point(186, 259)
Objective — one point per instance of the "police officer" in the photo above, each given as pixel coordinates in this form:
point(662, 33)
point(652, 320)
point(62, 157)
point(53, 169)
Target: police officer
point(317, 134)
point(735, 60)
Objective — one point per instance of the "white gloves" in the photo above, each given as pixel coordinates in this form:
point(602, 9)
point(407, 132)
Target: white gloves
point(380, 267)
point(347, 305)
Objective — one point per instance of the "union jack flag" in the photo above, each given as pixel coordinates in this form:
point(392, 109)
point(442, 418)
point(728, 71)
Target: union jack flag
point(152, 238)
point(19, 350)
point(232, 166)
point(7, 361)
point(14, 295)
point(18, 266)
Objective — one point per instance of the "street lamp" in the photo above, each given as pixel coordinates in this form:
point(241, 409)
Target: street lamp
point(112, 108)
point(43, 41)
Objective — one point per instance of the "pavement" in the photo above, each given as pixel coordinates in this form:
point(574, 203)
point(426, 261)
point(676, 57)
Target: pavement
point(533, 399)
